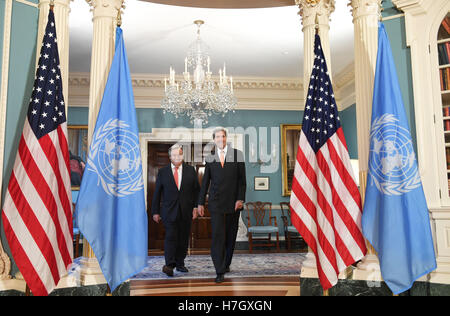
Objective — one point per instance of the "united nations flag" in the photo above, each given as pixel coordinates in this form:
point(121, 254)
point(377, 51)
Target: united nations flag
point(395, 215)
point(111, 204)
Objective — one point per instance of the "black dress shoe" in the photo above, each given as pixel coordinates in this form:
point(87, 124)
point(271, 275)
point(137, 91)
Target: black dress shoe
point(220, 278)
point(168, 270)
point(182, 269)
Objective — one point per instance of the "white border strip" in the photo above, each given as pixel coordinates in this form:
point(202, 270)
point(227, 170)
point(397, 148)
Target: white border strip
point(28, 3)
point(4, 92)
point(385, 18)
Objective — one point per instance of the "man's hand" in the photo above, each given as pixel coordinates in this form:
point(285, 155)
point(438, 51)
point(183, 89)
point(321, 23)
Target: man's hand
point(201, 210)
point(239, 204)
point(194, 213)
point(156, 218)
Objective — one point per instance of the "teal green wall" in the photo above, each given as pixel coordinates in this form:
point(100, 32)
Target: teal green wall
point(22, 59)
point(22, 63)
point(348, 121)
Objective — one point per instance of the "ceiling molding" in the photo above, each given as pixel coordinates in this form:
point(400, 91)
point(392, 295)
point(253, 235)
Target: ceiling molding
point(253, 93)
point(345, 77)
point(413, 6)
point(157, 81)
point(226, 4)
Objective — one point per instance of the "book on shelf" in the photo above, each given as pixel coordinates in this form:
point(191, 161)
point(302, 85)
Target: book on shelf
point(446, 24)
point(445, 78)
point(444, 53)
point(447, 154)
point(446, 114)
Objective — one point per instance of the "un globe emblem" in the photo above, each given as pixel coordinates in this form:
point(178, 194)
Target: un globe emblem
point(115, 157)
point(392, 162)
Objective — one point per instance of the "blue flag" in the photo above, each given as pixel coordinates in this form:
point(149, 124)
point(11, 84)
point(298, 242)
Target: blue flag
point(395, 215)
point(110, 208)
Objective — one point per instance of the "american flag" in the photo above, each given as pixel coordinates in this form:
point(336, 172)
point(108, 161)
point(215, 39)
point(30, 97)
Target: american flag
point(325, 202)
point(37, 211)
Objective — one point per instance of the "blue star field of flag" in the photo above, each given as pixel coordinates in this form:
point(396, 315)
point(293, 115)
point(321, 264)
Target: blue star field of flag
point(46, 109)
point(320, 120)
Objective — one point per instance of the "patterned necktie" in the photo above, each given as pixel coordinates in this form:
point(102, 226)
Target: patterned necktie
point(175, 175)
point(222, 157)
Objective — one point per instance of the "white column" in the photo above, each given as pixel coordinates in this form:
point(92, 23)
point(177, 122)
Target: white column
point(366, 14)
point(105, 14)
point(61, 10)
point(313, 11)
point(104, 34)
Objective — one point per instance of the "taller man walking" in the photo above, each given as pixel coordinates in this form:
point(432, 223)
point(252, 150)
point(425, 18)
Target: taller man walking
point(225, 177)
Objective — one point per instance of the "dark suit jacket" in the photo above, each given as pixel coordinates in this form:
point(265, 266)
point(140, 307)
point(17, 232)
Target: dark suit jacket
point(172, 199)
point(227, 184)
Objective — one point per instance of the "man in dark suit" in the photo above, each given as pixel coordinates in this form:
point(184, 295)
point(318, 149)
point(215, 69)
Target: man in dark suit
point(177, 184)
point(225, 177)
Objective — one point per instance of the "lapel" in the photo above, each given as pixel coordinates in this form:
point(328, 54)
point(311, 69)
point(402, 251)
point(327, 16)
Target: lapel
point(183, 175)
point(230, 155)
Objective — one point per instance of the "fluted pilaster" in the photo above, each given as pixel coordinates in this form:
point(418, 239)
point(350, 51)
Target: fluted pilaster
point(313, 11)
point(105, 14)
point(61, 10)
point(105, 22)
point(366, 14)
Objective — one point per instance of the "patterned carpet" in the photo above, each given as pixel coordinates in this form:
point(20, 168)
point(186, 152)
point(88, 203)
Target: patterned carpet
point(243, 265)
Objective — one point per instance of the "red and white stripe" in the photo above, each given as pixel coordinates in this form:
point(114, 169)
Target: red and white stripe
point(37, 212)
point(326, 206)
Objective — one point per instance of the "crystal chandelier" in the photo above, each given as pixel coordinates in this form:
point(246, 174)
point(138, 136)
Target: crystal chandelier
point(195, 97)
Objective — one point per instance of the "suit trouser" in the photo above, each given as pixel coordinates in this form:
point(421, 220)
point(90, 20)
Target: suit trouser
point(176, 241)
point(224, 231)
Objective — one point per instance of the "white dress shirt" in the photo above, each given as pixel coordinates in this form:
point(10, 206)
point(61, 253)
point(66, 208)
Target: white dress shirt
point(179, 173)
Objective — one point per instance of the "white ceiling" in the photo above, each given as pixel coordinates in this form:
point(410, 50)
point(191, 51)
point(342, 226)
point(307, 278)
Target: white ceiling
point(264, 42)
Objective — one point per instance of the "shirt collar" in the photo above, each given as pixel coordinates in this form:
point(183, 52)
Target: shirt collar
point(225, 149)
point(173, 166)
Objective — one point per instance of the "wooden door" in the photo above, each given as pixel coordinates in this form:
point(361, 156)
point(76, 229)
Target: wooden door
point(158, 157)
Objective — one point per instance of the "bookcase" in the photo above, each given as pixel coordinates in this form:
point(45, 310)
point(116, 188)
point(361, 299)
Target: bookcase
point(443, 42)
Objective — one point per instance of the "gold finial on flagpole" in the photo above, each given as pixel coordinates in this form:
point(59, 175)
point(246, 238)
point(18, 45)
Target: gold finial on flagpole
point(317, 23)
point(119, 17)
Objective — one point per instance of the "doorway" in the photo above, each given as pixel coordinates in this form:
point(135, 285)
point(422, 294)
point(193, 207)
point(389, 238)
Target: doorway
point(158, 157)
